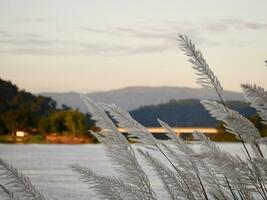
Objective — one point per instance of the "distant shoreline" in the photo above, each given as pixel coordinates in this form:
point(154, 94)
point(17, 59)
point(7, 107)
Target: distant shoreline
point(70, 139)
point(47, 139)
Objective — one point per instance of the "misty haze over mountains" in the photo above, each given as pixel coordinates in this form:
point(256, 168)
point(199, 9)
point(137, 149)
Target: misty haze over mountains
point(131, 98)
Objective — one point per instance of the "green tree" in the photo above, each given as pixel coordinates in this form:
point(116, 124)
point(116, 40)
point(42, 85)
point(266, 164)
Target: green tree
point(44, 125)
point(57, 122)
point(76, 122)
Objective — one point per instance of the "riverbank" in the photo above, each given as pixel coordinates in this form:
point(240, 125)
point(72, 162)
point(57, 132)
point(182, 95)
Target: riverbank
point(47, 139)
point(54, 138)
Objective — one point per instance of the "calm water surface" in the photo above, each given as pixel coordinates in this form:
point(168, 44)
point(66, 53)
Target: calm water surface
point(48, 167)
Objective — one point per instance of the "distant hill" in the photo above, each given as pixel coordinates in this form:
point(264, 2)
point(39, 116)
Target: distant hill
point(134, 97)
point(184, 113)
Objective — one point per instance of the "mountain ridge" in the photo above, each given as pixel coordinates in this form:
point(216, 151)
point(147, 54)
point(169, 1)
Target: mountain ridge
point(133, 97)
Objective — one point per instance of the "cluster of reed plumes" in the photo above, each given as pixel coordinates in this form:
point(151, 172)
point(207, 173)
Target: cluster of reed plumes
point(185, 174)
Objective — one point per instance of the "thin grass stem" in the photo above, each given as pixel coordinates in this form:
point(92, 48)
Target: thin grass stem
point(230, 188)
point(178, 171)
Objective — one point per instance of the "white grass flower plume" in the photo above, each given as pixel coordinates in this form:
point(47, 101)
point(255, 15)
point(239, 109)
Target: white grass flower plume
point(119, 150)
point(235, 123)
point(206, 78)
point(258, 99)
point(15, 185)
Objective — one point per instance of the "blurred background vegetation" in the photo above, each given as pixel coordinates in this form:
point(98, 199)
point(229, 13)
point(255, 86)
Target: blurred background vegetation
point(37, 115)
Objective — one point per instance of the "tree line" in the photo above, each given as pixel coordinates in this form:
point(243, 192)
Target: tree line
point(21, 110)
point(185, 113)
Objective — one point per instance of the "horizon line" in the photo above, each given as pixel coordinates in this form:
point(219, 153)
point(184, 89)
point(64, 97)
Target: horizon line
point(128, 87)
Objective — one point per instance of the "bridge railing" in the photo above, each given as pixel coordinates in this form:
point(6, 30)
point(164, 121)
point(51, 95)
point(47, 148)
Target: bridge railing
point(182, 130)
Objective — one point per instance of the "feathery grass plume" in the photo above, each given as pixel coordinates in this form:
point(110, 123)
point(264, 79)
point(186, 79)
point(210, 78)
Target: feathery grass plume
point(177, 141)
point(6, 194)
point(108, 187)
point(243, 177)
point(258, 99)
point(141, 134)
point(235, 123)
point(187, 170)
point(136, 131)
point(119, 150)
point(255, 174)
point(213, 182)
point(186, 161)
point(261, 163)
point(224, 163)
point(180, 154)
point(173, 184)
point(19, 183)
point(207, 78)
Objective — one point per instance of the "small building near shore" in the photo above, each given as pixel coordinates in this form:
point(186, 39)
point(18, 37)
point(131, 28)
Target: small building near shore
point(21, 133)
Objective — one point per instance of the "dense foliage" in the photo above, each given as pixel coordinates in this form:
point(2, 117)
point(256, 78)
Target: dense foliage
point(21, 110)
point(65, 121)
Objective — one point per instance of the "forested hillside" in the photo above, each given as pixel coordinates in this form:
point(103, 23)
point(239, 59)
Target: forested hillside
point(21, 110)
point(184, 113)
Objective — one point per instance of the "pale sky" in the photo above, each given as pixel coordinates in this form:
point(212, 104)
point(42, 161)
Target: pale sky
point(92, 45)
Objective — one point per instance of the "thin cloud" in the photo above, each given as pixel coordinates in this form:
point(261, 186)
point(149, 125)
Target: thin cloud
point(33, 51)
point(132, 32)
point(166, 34)
point(95, 30)
point(32, 43)
point(9, 42)
point(141, 33)
point(153, 48)
point(40, 19)
point(37, 40)
point(33, 35)
point(29, 42)
point(241, 25)
point(215, 27)
point(151, 39)
point(84, 49)
point(219, 25)
point(126, 50)
point(5, 34)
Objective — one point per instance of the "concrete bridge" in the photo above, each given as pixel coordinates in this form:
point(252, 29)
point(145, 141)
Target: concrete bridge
point(185, 132)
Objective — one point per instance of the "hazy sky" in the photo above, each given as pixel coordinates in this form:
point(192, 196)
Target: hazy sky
point(91, 45)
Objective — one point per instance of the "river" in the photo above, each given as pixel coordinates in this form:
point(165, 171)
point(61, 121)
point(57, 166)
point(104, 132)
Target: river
point(48, 167)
